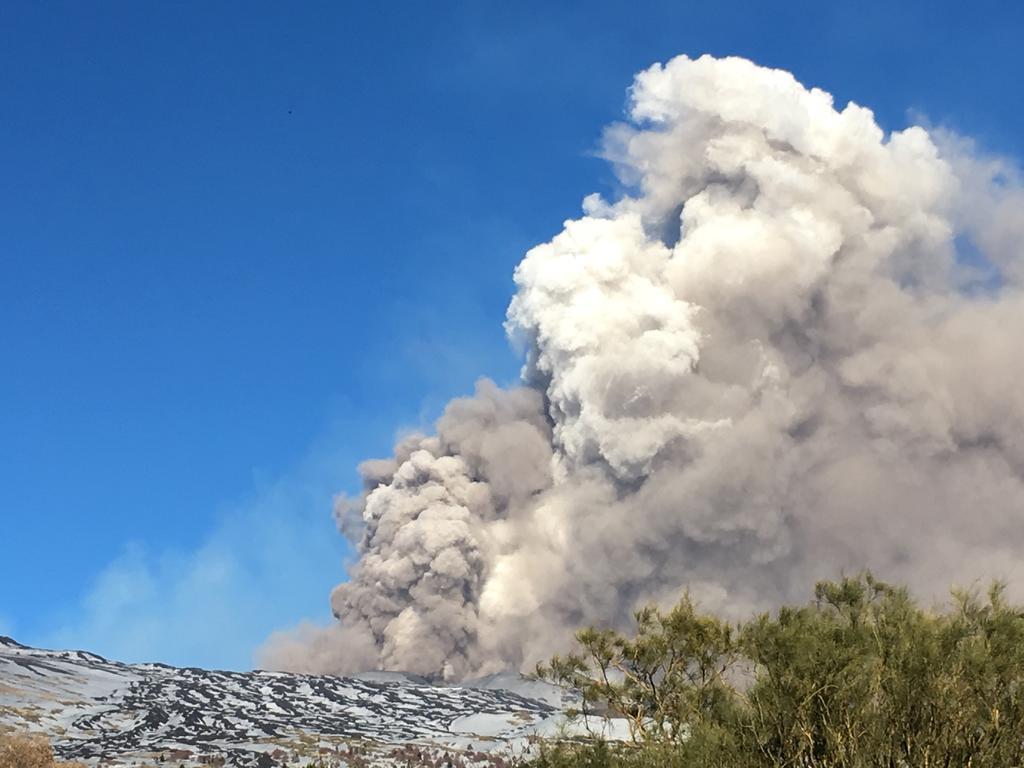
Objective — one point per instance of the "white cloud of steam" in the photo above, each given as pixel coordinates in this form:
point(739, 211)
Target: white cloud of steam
point(772, 361)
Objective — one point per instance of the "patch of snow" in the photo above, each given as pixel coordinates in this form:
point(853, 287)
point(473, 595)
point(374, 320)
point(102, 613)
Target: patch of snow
point(98, 710)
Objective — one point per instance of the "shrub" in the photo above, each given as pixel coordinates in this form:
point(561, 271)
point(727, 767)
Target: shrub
point(21, 751)
point(859, 677)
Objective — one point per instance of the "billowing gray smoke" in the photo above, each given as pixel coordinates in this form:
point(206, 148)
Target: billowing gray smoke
point(794, 349)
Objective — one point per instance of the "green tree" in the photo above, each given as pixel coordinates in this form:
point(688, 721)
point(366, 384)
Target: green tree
point(860, 677)
point(665, 680)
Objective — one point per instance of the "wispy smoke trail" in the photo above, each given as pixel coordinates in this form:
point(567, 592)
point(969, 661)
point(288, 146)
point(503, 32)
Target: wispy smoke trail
point(795, 347)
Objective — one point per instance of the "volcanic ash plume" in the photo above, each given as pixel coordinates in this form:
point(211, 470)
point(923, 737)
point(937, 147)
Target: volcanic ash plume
point(792, 348)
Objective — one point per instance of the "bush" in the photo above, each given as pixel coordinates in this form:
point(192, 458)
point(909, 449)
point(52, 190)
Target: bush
point(861, 676)
point(601, 754)
point(19, 751)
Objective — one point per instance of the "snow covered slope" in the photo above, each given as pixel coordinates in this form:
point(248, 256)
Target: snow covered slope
point(94, 710)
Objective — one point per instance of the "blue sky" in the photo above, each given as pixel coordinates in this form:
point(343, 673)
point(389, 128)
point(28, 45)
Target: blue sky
point(242, 245)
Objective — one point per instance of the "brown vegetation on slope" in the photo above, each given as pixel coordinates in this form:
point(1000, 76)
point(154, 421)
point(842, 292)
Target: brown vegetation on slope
point(21, 751)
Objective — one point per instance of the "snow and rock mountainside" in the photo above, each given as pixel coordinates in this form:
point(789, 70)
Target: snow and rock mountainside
point(95, 710)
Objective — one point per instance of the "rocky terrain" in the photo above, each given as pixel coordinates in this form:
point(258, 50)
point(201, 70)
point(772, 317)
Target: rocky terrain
point(102, 711)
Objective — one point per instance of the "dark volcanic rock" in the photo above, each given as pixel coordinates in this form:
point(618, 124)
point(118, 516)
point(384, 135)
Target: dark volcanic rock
point(95, 709)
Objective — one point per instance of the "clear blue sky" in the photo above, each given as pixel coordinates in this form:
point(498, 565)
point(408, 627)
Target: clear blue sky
point(243, 244)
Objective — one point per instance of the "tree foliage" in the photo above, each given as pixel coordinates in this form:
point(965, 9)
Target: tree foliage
point(860, 677)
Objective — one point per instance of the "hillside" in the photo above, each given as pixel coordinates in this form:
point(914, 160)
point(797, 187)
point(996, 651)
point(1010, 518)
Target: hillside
point(105, 711)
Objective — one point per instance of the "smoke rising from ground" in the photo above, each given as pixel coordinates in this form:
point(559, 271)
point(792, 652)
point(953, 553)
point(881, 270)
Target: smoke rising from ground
point(793, 348)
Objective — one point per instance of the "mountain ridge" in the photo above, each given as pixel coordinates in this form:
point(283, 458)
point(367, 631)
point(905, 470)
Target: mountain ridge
point(102, 711)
